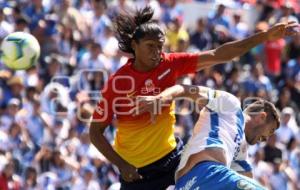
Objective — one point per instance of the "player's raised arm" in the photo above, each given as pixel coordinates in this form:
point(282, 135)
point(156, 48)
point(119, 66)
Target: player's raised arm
point(230, 50)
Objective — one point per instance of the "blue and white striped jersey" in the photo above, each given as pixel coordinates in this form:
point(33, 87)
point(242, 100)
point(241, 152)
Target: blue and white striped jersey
point(221, 124)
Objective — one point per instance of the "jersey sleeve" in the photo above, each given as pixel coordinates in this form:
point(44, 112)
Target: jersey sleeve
point(223, 102)
point(103, 111)
point(184, 63)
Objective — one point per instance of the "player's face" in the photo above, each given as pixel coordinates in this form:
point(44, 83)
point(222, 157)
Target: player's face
point(261, 130)
point(148, 52)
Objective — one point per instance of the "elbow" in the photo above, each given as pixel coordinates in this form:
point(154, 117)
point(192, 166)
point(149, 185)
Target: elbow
point(92, 133)
point(95, 132)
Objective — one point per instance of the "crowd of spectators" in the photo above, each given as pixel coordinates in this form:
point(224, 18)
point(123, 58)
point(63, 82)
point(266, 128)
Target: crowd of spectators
point(45, 111)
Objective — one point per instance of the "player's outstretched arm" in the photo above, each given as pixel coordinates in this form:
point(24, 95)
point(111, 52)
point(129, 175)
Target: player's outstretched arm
point(152, 104)
point(230, 50)
point(197, 94)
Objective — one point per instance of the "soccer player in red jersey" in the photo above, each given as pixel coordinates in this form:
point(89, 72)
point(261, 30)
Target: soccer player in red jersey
point(145, 151)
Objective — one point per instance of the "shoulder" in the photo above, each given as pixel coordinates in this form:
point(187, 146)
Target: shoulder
point(124, 70)
point(228, 109)
point(224, 102)
point(123, 76)
point(166, 56)
point(179, 56)
point(229, 98)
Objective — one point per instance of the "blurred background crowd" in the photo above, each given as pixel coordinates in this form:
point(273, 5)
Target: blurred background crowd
point(44, 111)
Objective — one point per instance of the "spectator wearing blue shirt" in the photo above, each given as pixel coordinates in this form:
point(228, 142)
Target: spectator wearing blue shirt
point(171, 10)
point(219, 17)
point(35, 12)
point(238, 28)
point(100, 20)
point(281, 176)
point(257, 81)
point(293, 68)
point(201, 38)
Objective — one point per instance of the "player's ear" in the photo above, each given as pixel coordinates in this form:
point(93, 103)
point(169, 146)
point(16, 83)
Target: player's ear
point(259, 118)
point(263, 116)
point(133, 44)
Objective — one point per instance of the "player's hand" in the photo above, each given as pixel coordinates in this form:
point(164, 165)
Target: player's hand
point(146, 104)
point(129, 173)
point(281, 30)
point(151, 104)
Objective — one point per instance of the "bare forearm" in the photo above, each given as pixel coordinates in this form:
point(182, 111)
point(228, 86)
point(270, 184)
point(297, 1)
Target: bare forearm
point(172, 92)
point(234, 49)
point(196, 93)
point(101, 143)
point(230, 50)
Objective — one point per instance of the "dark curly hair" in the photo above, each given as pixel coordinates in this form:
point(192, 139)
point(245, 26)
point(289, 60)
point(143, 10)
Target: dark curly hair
point(136, 27)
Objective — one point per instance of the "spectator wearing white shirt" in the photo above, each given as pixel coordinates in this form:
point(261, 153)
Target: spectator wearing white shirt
point(5, 27)
point(30, 181)
point(63, 169)
point(238, 28)
point(109, 42)
point(99, 21)
point(87, 181)
point(48, 180)
point(85, 148)
point(261, 169)
point(288, 129)
point(282, 176)
point(10, 116)
point(93, 66)
point(94, 58)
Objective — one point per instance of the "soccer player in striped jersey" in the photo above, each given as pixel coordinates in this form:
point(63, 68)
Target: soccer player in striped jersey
point(216, 154)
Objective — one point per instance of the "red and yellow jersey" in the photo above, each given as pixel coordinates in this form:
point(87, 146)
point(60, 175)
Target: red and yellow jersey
point(138, 140)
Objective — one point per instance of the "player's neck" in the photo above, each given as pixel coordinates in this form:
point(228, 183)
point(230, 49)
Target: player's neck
point(142, 67)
